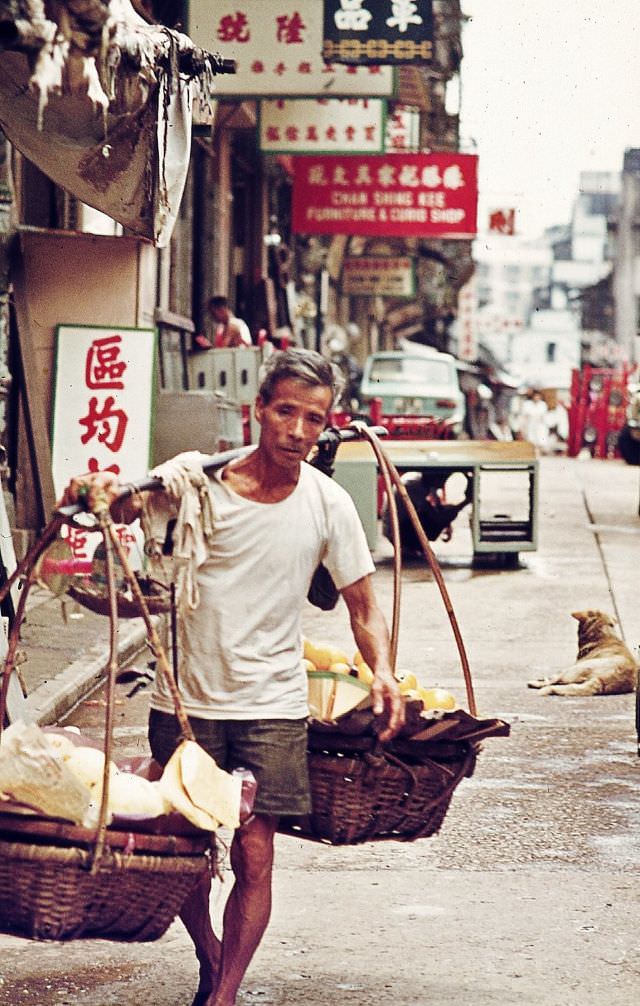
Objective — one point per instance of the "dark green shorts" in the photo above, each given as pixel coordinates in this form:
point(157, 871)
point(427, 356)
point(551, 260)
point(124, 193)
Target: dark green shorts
point(274, 750)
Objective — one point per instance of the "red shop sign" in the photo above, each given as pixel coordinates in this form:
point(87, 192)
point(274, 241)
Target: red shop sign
point(399, 195)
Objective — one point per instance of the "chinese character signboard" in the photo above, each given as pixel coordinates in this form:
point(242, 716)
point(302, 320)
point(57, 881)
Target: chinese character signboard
point(467, 322)
point(378, 31)
point(395, 195)
point(403, 130)
point(102, 413)
point(502, 221)
point(379, 276)
point(323, 125)
point(277, 47)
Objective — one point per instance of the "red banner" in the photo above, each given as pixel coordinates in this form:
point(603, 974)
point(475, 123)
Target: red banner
point(399, 195)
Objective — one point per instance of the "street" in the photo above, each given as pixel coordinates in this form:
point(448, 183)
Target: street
point(529, 894)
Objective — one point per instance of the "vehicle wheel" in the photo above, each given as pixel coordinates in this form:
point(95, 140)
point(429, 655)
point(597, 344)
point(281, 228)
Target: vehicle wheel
point(628, 447)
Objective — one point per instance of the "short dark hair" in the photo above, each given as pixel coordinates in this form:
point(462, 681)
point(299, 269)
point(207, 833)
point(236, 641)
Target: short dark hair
point(300, 364)
point(218, 301)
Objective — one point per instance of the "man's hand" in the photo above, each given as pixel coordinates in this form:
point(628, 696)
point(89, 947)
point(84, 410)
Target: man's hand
point(93, 491)
point(372, 636)
point(387, 700)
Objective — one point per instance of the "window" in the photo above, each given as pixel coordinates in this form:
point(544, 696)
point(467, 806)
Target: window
point(410, 370)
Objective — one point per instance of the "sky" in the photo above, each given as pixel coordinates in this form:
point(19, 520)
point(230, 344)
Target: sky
point(550, 88)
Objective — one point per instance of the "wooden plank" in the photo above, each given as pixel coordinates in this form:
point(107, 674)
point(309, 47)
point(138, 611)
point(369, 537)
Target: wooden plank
point(171, 320)
point(442, 453)
point(33, 394)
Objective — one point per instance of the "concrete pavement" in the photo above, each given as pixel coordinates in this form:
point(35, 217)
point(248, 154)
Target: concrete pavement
point(529, 894)
point(66, 647)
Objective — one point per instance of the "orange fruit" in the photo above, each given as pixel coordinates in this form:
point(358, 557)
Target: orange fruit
point(340, 667)
point(323, 655)
point(437, 698)
point(365, 674)
point(408, 683)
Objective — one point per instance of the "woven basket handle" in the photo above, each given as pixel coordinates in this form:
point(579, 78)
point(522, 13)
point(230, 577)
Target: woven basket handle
point(391, 475)
point(26, 569)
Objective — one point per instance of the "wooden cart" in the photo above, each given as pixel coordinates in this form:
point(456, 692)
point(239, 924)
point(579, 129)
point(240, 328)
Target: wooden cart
point(503, 477)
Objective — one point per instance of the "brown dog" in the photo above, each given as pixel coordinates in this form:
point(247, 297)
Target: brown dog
point(605, 666)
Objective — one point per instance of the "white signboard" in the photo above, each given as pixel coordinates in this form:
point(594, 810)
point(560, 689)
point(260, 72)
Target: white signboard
point(402, 130)
point(102, 411)
point(322, 125)
point(277, 47)
point(379, 276)
point(467, 321)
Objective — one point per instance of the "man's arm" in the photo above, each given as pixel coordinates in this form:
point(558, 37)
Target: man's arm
point(372, 637)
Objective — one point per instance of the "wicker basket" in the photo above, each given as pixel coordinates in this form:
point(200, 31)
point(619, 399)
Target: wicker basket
point(49, 892)
point(95, 600)
point(369, 795)
point(372, 797)
point(365, 791)
point(60, 881)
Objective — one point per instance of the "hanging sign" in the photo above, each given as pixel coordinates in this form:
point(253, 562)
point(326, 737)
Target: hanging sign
point(379, 276)
point(322, 125)
point(394, 195)
point(378, 31)
point(277, 48)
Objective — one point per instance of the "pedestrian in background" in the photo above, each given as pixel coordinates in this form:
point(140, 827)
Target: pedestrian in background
point(230, 332)
point(533, 420)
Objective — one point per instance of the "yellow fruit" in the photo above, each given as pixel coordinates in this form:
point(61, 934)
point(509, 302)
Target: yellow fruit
point(340, 668)
point(437, 698)
point(357, 658)
point(365, 674)
point(408, 683)
point(412, 694)
point(308, 664)
point(323, 655)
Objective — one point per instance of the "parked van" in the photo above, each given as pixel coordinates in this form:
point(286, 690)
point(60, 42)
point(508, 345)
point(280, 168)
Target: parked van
point(412, 384)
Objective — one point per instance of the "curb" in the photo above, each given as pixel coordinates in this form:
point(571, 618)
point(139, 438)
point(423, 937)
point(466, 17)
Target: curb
point(53, 700)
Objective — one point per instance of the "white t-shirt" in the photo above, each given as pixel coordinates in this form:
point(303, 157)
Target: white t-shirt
point(242, 647)
point(241, 328)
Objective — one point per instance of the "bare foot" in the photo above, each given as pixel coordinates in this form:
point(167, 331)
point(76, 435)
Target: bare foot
point(207, 986)
point(205, 995)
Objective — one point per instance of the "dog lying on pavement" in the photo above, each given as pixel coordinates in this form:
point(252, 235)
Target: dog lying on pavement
point(605, 665)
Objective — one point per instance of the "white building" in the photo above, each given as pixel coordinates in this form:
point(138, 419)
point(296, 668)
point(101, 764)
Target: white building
point(546, 352)
point(508, 271)
point(584, 257)
point(528, 308)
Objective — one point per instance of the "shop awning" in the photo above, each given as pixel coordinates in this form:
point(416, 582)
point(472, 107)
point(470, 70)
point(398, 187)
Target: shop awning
point(102, 102)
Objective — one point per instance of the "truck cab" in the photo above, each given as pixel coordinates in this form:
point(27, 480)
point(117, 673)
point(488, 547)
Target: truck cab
point(416, 386)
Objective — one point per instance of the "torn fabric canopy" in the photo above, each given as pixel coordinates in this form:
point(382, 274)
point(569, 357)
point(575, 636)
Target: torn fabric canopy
point(103, 105)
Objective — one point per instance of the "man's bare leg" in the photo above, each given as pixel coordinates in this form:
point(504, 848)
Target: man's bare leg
point(248, 907)
point(195, 915)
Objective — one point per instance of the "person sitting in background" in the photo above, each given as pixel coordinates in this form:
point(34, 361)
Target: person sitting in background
point(230, 332)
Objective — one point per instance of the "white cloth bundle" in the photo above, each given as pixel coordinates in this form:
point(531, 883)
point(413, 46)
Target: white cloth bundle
point(187, 489)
